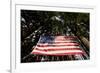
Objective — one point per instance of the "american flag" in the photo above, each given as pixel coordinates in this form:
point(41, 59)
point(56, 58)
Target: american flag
point(57, 45)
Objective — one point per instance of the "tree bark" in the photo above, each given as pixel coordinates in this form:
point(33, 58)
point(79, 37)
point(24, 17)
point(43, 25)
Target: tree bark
point(85, 41)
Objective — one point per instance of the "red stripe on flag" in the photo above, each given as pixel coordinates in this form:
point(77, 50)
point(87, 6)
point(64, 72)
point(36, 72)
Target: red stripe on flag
point(58, 54)
point(45, 45)
point(58, 49)
point(66, 36)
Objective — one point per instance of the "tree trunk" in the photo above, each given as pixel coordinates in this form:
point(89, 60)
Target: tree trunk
point(85, 41)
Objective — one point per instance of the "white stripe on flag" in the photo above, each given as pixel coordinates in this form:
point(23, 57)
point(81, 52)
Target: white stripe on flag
point(55, 47)
point(57, 44)
point(63, 51)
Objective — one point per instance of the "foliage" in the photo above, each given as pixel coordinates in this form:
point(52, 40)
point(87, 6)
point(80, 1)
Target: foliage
point(37, 23)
